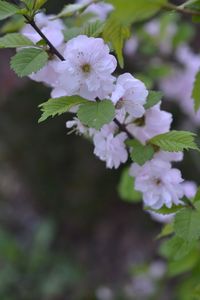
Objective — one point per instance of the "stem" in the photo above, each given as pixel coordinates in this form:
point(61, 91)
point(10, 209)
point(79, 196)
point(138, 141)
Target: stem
point(30, 21)
point(170, 6)
point(122, 127)
point(51, 46)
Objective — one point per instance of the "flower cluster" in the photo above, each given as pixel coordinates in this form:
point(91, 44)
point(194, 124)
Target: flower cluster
point(88, 71)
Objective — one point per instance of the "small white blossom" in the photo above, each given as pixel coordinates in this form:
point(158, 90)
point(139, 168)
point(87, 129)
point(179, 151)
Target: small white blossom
point(155, 121)
point(100, 10)
point(189, 188)
point(109, 147)
point(178, 86)
point(131, 94)
point(159, 183)
point(87, 69)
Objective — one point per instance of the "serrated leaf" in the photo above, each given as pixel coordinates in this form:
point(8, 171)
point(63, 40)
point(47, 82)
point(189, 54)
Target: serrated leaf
point(70, 33)
point(166, 210)
point(187, 224)
point(140, 153)
point(175, 141)
point(39, 4)
point(70, 9)
point(167, 229)
point(176, 248)
point(28, 61)
point(96, 114)
point(7, 10)
point(93, 29)
point(116, 33)
point(126, 188)
point(153, 98)
point(138, 10)
point(58, 106)
point(15, 40)
point(196, 92)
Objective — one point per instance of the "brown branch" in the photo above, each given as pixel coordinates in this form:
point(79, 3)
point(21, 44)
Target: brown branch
point(187, 11)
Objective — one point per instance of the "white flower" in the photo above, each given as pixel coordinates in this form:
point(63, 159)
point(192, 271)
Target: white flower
point(189, 188)
point(52, 29)
point(169, 156)
point(109, 147)
point(163, 37)
point(155, 121)
point(178, 86)
point(99, 10)
point(87, 69)
point(159, 183)
point(131, 94)
point(47, 74)
point(131, 46)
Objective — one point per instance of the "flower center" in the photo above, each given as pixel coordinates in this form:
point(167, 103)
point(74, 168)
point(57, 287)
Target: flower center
point(158, 181)
point(140, 121)
point(86, 68)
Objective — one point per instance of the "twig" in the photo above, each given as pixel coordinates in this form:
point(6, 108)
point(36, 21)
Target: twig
point(170, 6)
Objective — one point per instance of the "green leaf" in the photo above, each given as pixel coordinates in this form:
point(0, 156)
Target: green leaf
point(166, 210)
point(116, 33)
point(197, 196)
point(28, 61)
point(15, 40)
point(93, 29)
point(167, 229)
point(70, 33)
point(7, 10)
point(39, 3)
point(187, 224)
point(130, 11)
point(58, 106)
point(196, 92)
point(126, 188)
point(175, 141)
point(96, 114)
point(176, 248)
point(140, 153)
point(183, 265)
point(153, 98)
point(70, 9)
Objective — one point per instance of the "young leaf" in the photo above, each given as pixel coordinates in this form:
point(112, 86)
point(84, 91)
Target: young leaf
point(126, 188)
point(93, 29)
point(175, 141)
point(135, 10)
point(187, 224)
point(70, 9)
point(116, 33)
point(96, 114)
point(166, 210)
point(140, 153)
point(197, 196)
point(176, 248)
point(196, 92)
point(7, 10)
point(39, 3)
point(28, 61)
point(58, 106)
point(153, 98)
point(15, 40)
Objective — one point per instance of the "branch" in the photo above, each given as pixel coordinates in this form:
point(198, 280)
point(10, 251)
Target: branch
point(123, 128)
point(31, 22)
point(51, 46)
point(170, 6)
